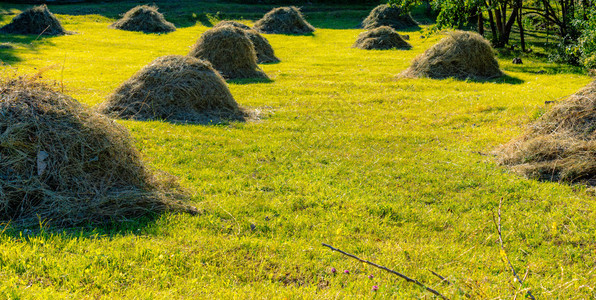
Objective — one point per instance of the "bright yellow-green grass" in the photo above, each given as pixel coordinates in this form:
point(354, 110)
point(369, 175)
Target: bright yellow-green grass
point(400, 172)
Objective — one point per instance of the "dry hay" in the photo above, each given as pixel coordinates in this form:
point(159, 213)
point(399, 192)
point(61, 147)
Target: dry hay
point(230, 51)
point(65, 164)
point(561, 145)
point(284, 20)
point(36, 20)
point(381, 38)
point(175, 88)
point(388, 15)
point(144, 18)
point(460, 55)
point(265, 53)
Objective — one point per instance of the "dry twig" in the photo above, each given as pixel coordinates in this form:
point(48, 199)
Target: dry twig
point(414, 281)
point(503, 252)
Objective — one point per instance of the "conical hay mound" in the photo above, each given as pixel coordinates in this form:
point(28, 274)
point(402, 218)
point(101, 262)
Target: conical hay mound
point(284, 20)
point(67, 165)
point(176, 88)
point(381, 38)
point(230, 51)
point(36, 20)
point(561, 145)
point(144, 18)
point(460, 55)
point(388, 15)
point(265, 53)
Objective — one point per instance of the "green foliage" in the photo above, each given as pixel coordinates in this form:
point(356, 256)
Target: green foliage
point(587, 41)
point(580, 50)
point(406, 5)
point(455, 13)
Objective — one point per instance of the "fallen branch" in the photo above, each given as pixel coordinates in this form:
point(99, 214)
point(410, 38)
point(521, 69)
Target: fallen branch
point(450, 283)
point(503, 252)
point(408, 279)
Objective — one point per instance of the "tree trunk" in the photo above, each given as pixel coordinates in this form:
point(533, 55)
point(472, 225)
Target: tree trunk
point(509, 25)
point(493, 29)
point(480, 22)
point(522, 39)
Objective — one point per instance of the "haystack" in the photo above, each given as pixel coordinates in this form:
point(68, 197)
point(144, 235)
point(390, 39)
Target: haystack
point(388, 15)
point(265, 53)
point(144, 18)
point(67, 165)
point(230, 51)
point(36, 20)
point(176, 88)
point(561, 145)
point(381, 38)
point(284, 20)
point(460, 55)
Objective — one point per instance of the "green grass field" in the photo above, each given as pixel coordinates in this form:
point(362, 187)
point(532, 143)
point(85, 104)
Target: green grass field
point(397, 171)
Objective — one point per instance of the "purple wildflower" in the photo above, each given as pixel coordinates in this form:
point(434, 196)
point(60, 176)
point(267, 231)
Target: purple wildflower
point(347, 271)
point(333, 270)
point(375, 288)
point(371, 276)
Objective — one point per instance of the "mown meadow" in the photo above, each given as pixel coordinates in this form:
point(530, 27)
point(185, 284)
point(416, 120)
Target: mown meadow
point(401, 172)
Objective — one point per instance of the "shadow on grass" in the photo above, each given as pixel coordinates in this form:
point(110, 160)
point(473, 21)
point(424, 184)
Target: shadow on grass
point(250, 80)
point(17, 43)
point(187, 13)
point(85, 231)
point(506, 79)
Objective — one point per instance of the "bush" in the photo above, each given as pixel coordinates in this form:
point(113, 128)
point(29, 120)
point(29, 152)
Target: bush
point(580, 51)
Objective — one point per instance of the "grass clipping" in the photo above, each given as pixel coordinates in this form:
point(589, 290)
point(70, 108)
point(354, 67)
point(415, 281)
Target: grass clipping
point(462, 55)
point(381, 38)
point(175, 88)
point(36, 20)
point(284, 20)
point(65, 164)
point(144, 18)
point(388, 15)
point(230, 51)
point(561, 145)
point(265, 53)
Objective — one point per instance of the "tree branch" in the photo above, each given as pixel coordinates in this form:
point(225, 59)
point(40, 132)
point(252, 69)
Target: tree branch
point(504, 254)
point(408, 279)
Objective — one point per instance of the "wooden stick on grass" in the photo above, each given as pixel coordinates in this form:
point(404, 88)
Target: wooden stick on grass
point(408, 279)
point(503, 253)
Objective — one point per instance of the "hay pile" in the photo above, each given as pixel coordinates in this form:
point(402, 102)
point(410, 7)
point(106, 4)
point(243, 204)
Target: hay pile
point(460, 55)
point(561, 145)
point(388, 15)
point(176, 88)
point(230, 51)
point(284, 20)
point(68, 165)
point(36, 20)
point(144, 18)
point(381, 38)
point(265, 53)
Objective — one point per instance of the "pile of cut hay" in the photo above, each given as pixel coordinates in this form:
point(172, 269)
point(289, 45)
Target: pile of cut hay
point(461, 55)
point(230, 51)
point(561, 145)
point(388, 15)
point(67, 165)
point(381, 38)
point(144, 18)
point(265, 53)
point(175, 88)
point(36, 20)
point(284, 20)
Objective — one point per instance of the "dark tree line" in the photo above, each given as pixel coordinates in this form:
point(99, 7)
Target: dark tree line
point(573, 21)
